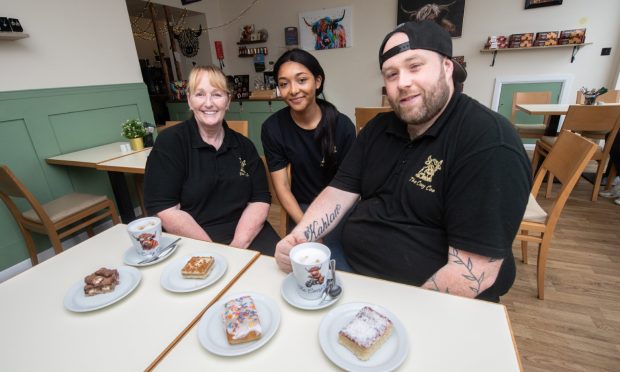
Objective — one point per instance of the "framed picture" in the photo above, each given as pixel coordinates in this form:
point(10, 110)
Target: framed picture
point(326, 29)
point(185, 2)
point(448, 13)
point(529, 4)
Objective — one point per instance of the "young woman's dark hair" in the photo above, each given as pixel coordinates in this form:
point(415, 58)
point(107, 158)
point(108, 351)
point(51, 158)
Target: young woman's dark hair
point(325, 131)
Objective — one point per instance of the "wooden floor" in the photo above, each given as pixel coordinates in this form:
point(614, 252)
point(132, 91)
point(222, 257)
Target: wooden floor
point(577, 326)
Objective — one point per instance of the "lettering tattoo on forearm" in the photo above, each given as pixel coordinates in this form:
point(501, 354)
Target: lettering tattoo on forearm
point(316, 229)
point(475, 288)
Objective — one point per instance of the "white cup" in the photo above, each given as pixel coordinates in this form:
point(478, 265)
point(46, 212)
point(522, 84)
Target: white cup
point(145, 235)
point(310, 263)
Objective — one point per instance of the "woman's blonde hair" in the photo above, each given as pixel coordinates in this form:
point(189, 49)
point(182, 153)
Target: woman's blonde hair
point(216, 78)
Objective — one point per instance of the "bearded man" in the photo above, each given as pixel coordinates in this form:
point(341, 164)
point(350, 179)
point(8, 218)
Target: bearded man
point(438, 186)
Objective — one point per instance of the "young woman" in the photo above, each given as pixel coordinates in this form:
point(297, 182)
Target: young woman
point(310, 135)
point(206, 181)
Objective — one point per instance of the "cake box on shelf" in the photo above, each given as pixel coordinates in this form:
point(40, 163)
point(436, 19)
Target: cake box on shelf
point(576, 36)
point(524, 40)
point(546, 38)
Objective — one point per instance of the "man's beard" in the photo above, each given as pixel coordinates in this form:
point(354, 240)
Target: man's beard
point(433, 101)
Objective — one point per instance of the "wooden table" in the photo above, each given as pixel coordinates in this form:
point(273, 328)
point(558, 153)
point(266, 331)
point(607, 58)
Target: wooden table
point(90, 158)
point(446, 333)
point(39, 334)
point(554, 110)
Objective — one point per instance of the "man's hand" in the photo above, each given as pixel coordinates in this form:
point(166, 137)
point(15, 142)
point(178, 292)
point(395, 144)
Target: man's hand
point(284, 247)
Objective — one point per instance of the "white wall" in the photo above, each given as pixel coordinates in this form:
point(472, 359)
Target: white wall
point(93, 43)
point(353, 77)
point(72, 43)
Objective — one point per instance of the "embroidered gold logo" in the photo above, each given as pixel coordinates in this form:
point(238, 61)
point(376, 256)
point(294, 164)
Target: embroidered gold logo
point(242, 171)
point(431, 167)
point(426, 174)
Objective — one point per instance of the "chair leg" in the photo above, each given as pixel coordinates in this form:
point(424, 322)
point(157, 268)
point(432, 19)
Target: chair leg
point(597, 180)
point(114, 213)
point(32, 250)
point(535, 160)
point(549, 185)
point(543, 252)
point(55, 240)
point(524, 248)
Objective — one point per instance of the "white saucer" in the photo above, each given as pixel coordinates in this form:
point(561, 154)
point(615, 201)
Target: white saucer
point(212, 332)
point(388, 358)
point(172, 280)
point(75, 299)
point(288, 290)
point(132, 257)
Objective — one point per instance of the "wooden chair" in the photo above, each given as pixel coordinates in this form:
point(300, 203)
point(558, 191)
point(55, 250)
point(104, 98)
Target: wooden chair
point(596, 122)
point(240, 126)
point(364, 114)
point(529, 130)
point(168, 125)
point(566, 160)
point(281, 229)
point(58, 218)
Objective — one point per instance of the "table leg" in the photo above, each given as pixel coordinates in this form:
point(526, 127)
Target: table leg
point(122, 196)
point(552, 127)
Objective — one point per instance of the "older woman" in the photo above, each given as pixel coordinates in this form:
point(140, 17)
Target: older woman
point(206, 181)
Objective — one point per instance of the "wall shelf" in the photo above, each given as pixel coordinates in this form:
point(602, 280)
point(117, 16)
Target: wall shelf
point(572, 59)
point(251, 42)
point(11, 36)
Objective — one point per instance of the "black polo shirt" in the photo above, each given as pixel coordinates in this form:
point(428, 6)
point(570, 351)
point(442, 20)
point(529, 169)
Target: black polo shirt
point(213, 186)
point(284, 143)
point(463, 183)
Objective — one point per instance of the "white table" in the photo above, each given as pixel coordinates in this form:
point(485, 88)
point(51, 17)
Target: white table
point(134, 163)
point(39, 334)
point(89, 158)
point(554, 110)
point(446, 333)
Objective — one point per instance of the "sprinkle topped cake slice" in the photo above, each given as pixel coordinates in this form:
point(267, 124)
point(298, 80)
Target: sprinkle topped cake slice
point(365, 333)
point(241, 319)
point(197, 267)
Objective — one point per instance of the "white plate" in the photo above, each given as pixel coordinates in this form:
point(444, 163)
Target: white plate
point(133, 258)
point(172, 280)
point(76, 300)
point(212, 333)
point(391, 355)
point(289, 292)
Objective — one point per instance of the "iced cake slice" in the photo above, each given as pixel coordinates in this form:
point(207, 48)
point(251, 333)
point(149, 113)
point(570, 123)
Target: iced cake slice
point(101, 281)
point(197, 267)
point(365, 333)
point(241, 320)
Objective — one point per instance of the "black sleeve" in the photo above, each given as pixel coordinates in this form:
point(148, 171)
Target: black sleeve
point(271, 137)
point(164, 173)
point(349, 175)
point(484, 204)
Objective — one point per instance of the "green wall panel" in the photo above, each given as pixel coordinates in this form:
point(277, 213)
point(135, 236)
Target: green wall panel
point(38, 124)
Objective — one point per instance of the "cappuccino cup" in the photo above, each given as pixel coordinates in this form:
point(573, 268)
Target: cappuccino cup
point(310, 262)
point(145, 234)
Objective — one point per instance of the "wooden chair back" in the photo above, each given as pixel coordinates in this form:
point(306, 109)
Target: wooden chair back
point(364, 114)
point(283, 216)
point(520, 98)
point(567, 159)
point(240, 126)
point(168, 125)
point(54, 227)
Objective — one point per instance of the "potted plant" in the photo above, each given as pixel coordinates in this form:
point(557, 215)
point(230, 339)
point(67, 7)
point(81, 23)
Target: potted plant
point(134, 130)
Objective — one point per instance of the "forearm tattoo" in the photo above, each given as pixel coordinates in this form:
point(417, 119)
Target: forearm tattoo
point(476, 280)
point(316, 229)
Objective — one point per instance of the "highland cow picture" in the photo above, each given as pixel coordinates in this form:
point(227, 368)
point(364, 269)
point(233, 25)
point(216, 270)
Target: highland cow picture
point(448, 13)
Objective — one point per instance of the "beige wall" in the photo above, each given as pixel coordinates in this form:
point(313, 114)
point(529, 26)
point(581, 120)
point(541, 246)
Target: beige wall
point(71, 43)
